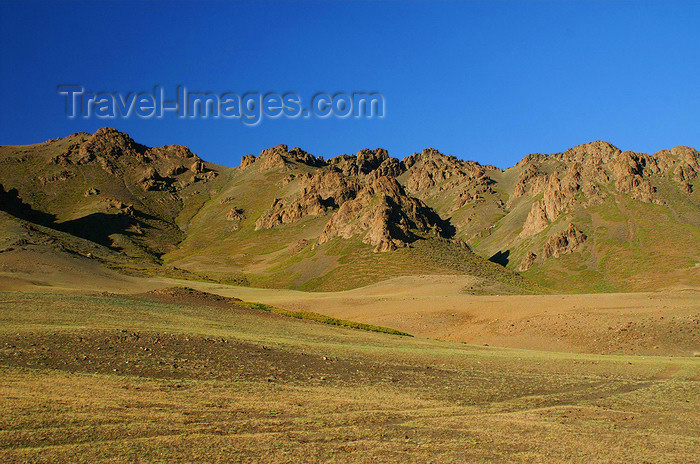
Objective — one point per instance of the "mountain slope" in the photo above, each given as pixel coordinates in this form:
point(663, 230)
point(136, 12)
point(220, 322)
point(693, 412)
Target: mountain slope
point(289, 219)
point(108, 189)
point(595, 218)
point(592, 218)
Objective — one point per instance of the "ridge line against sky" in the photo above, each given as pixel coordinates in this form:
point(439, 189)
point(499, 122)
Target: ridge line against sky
point(399, 157)
point(484, 81)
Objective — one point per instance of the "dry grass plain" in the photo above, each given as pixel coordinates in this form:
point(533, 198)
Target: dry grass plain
point(442, 307)
point(132, 376)
point(445, 307)
point(118, 378)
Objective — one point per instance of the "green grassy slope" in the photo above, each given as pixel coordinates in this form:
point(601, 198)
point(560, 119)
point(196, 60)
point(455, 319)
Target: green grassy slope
point(199, 220)
point(632, 245)
point(288, 256)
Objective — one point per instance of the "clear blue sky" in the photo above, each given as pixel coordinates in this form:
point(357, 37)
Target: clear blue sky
point(485, 81)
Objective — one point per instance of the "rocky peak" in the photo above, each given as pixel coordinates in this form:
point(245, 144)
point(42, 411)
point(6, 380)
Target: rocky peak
point(364, 162)
point(168, 168)
point(172, 152)
point(389, 167)
point(329, 185)
point(430, 167)
point(629, 170)
point(281, 157)
point(682, 162)
point(385, 216)
point(298, 155)
point(589, 168)
point(430, 155)
point(111, 143)
point(117, 153)
point(687, 155)
point(593, 152)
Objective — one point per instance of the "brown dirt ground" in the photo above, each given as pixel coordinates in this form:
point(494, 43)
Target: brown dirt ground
point(658, 323)
point(439, 307)
point(326, 394)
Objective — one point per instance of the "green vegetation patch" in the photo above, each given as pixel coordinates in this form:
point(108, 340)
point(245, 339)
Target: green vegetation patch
point(311, 316)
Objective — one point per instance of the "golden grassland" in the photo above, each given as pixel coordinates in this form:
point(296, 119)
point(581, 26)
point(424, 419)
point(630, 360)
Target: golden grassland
point(94, 378)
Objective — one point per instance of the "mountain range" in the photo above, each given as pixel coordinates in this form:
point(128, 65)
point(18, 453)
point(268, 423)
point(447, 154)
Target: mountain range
point(593, 218)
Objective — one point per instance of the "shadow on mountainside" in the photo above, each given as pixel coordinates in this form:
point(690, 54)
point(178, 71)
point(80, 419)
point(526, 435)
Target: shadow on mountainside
point(501, 257)
point(11, 203)
point(96, 227)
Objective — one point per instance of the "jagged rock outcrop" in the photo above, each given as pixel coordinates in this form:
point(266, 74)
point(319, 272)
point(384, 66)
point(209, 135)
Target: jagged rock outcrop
point(109, 142)
point(531, 180)
point(175, 170)
point(684, 175)
point(247, 160)
point(281, 157)
point(430, 167)
point(581, 166)
point(379, 209)
point(151, 180)
point(592, 166)
point(320, 192)
point(235, 215)
point(171, 152)
point(389, 167)
point(589, 169)
point(558, 196)
point(598, 152)
point(197, 167)
point(364, 162)
point(117, 154)
point(565, 242)
point(527, 261)
point(682, 162)
point(629, 169)
point(384, 215)
point(536, 220)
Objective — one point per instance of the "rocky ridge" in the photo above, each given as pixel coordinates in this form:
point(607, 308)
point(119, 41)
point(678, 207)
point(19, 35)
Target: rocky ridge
point(584, 169)
point(340, 187)
point(384, 215)
point(114, 191)
point(362, 197)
